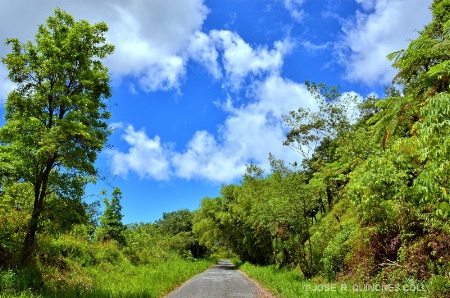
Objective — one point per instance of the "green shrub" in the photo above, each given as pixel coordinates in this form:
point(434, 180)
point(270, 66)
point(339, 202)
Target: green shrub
point(66, 248)
point(335, 253)
point(8, 281)
point(20, 283)
point(108, 251)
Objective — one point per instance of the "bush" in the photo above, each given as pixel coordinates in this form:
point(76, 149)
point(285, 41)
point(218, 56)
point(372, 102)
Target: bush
point(335, 253)
point(332, 239)
point(19, 282)
point(8, 282)
point(57, 252)
point(109, 252)
point(428, 256)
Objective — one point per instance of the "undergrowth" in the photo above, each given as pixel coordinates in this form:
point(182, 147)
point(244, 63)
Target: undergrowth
point(105, 280)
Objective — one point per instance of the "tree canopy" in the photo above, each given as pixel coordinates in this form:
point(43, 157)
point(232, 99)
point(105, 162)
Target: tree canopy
point(56, 115)
point(373, 184)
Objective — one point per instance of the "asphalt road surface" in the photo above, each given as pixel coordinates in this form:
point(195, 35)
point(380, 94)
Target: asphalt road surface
point(221, 280)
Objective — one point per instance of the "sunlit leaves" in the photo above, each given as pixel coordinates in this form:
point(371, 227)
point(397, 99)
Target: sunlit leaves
point(57, 108)
point(56, 116)
point(434, 132)
point(335, 116)
point(377, 188)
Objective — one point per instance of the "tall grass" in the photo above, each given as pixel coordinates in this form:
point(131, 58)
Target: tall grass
point(153, 280)
point(111, 280)
point(287, 284)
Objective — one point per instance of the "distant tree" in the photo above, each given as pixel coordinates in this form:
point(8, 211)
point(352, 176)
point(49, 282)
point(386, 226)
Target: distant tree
point(178, 225)
point(176, 222)
point(56, 115)
point(111, 226)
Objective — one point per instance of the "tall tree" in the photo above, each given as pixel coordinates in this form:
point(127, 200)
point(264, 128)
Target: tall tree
point(178, 225)
point(423, 73)
point(56, 116)
point(111, 226)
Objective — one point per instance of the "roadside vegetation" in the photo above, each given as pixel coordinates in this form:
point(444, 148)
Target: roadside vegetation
point(291, 284)
point(367, 203)
point(52, 243)
point(112, 278)
point(136, 260)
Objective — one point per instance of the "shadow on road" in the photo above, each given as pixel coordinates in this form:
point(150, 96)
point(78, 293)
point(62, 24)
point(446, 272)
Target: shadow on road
point(224, 265)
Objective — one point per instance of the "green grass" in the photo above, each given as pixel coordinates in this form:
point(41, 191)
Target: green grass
point(287, 284)
point(144, 281)
point(121, 280)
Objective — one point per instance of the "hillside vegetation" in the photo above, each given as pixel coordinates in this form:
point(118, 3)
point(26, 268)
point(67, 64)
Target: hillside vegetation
point(369, 203)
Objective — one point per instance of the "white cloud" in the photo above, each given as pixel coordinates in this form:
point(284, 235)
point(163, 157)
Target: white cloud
point(202, 49)
point(294, 8)
point(146, 157)
point(249, 134)
point(150, 36)
point(154, 40)
point(372, 36)
point(240, 59)
point(367, 4)
point(206, 159)
point(151, 39)
point(311, 47)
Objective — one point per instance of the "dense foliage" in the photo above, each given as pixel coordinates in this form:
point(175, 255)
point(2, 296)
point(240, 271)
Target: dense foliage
point(51, 241)
point(111, 226)
point(55, 117)
point(370, 199)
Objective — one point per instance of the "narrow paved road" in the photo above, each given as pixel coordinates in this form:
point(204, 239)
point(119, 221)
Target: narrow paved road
point(221, 280)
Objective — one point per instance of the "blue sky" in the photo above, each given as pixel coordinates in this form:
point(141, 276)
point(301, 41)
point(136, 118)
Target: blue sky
point(200, 86)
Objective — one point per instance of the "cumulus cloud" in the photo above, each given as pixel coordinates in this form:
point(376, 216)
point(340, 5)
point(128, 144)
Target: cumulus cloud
point(250, 132)
point(226, 55)
point(146, 157)
point(155, 40)
point(203, 50)
point(150, 36)
point(371, 36)
point(240, 59)
point(205, 158)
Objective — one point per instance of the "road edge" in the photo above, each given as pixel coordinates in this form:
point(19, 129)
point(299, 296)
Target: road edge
point(263, 292)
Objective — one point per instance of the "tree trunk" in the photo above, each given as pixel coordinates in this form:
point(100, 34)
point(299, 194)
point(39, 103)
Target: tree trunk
point(29, 243)
point(306, 264)
point(40, 191)
point(329, 196)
